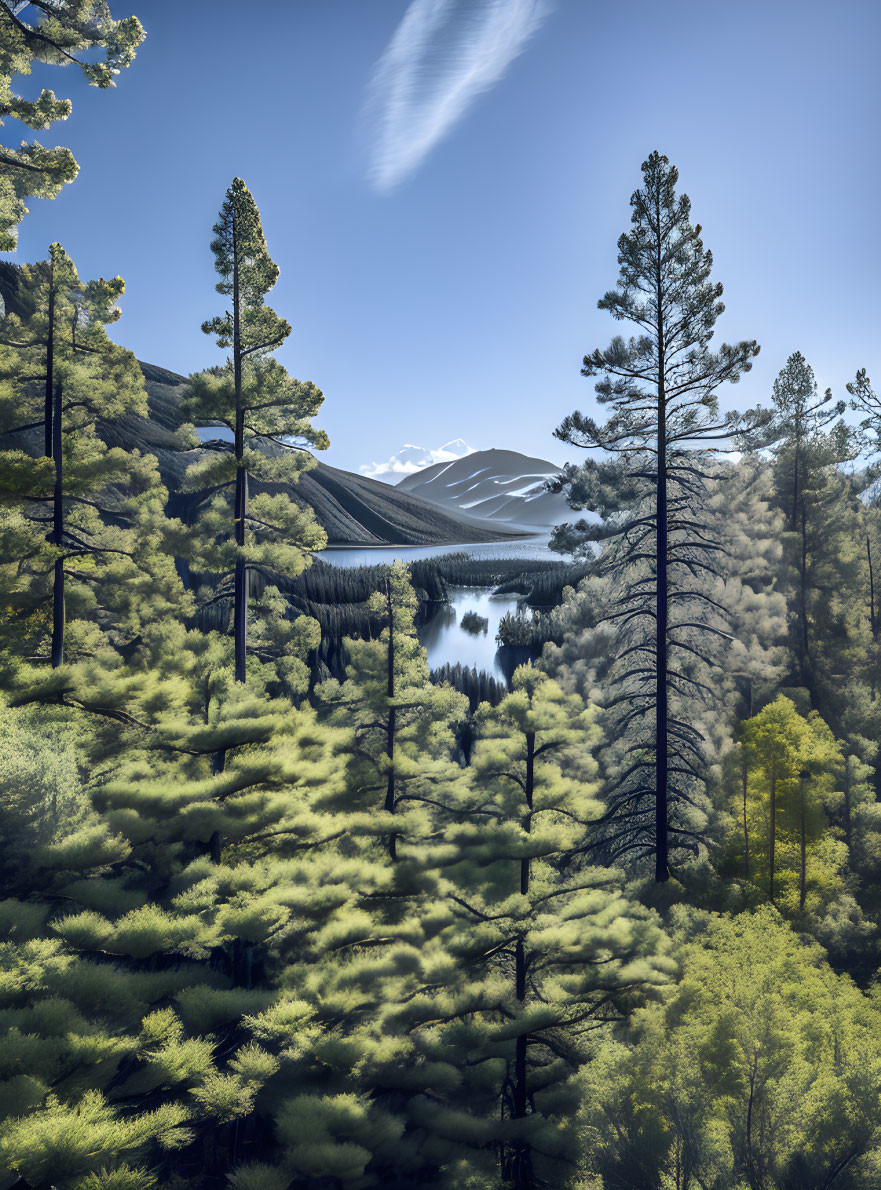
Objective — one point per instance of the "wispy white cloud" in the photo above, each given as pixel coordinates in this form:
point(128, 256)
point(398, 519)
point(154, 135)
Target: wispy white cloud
point(413, 458)
point(443, 54)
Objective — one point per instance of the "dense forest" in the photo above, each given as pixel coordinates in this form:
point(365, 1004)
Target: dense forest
point(283, 910)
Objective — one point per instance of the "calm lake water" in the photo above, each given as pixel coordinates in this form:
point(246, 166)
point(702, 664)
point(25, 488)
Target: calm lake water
point(443, 637)
point(446, 641)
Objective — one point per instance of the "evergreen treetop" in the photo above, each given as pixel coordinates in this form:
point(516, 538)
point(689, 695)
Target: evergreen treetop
point(62, 34)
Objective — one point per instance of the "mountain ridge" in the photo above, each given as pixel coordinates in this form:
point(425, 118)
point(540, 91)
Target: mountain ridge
point(353, 509)
point(502, 487)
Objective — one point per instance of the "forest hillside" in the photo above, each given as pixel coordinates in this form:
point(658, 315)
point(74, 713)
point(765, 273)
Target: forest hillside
point(283, 909)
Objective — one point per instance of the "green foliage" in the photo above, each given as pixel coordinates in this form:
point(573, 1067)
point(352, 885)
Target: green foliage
point(65, 1142)
point(393, 930)
point(761, 1068)
point(60, 36)
point(650, 490)
point(791, 764)
point(246, 529)
point(548, 948)
point(103, 560)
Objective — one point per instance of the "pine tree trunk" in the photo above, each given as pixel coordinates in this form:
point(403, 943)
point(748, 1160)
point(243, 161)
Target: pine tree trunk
point(873, 618)
point(58, 610)
point(240, 592)
point(744, 777)
point(522, 1158)
point(802, 831)
point(803, 593)
point(391, 725)
point(50, 365)
point(772, 834)
point(796, 464)
point(662, 870)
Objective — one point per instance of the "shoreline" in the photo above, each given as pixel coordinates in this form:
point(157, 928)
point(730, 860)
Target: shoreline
point(440, 545)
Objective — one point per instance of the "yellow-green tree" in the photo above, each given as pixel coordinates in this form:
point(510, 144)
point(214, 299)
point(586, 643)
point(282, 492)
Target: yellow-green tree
point(791, 765)
point(762, 1070)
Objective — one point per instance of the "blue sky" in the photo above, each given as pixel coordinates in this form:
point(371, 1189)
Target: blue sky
point(445, 288)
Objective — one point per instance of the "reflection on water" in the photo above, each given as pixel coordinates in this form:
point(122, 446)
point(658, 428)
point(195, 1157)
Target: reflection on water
point(448, 643)
point(528, 549)
point(443, 637)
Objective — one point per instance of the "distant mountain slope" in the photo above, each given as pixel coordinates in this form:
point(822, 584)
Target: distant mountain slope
point(352, 508)
point(501, 486)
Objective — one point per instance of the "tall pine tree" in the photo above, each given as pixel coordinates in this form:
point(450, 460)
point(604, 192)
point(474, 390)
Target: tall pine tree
point(268, 414)
point(661, 385)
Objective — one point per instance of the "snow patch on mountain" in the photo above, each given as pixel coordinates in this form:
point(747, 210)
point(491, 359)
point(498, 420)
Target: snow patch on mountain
point(410, 459)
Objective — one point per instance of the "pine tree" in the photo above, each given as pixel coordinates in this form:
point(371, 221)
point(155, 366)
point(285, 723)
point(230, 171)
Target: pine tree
point(662, 387)
point(267, 412)
point(791, 765)
point(810, 445)
point(181, 892)
point(76, 509)
point(864, 400)
point(104, 1083)
point(800, 415)
point(399, 717)
point(548, 949)
point(64, 381)
point(350, 1104)
point(63, 34)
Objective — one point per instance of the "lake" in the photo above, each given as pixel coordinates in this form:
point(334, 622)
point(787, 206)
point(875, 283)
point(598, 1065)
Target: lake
point(446, 642)
point(444, 639)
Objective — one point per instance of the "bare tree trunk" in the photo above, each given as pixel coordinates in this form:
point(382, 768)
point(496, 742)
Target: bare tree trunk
point(772, 833)
point(802, 831)
point(662, 870)
point(50, 365)
point(240, 592)
point(58, 608)
point(391, 728)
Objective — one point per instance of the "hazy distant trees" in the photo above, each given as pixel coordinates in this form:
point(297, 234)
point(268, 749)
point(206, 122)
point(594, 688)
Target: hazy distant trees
point(809, 443)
